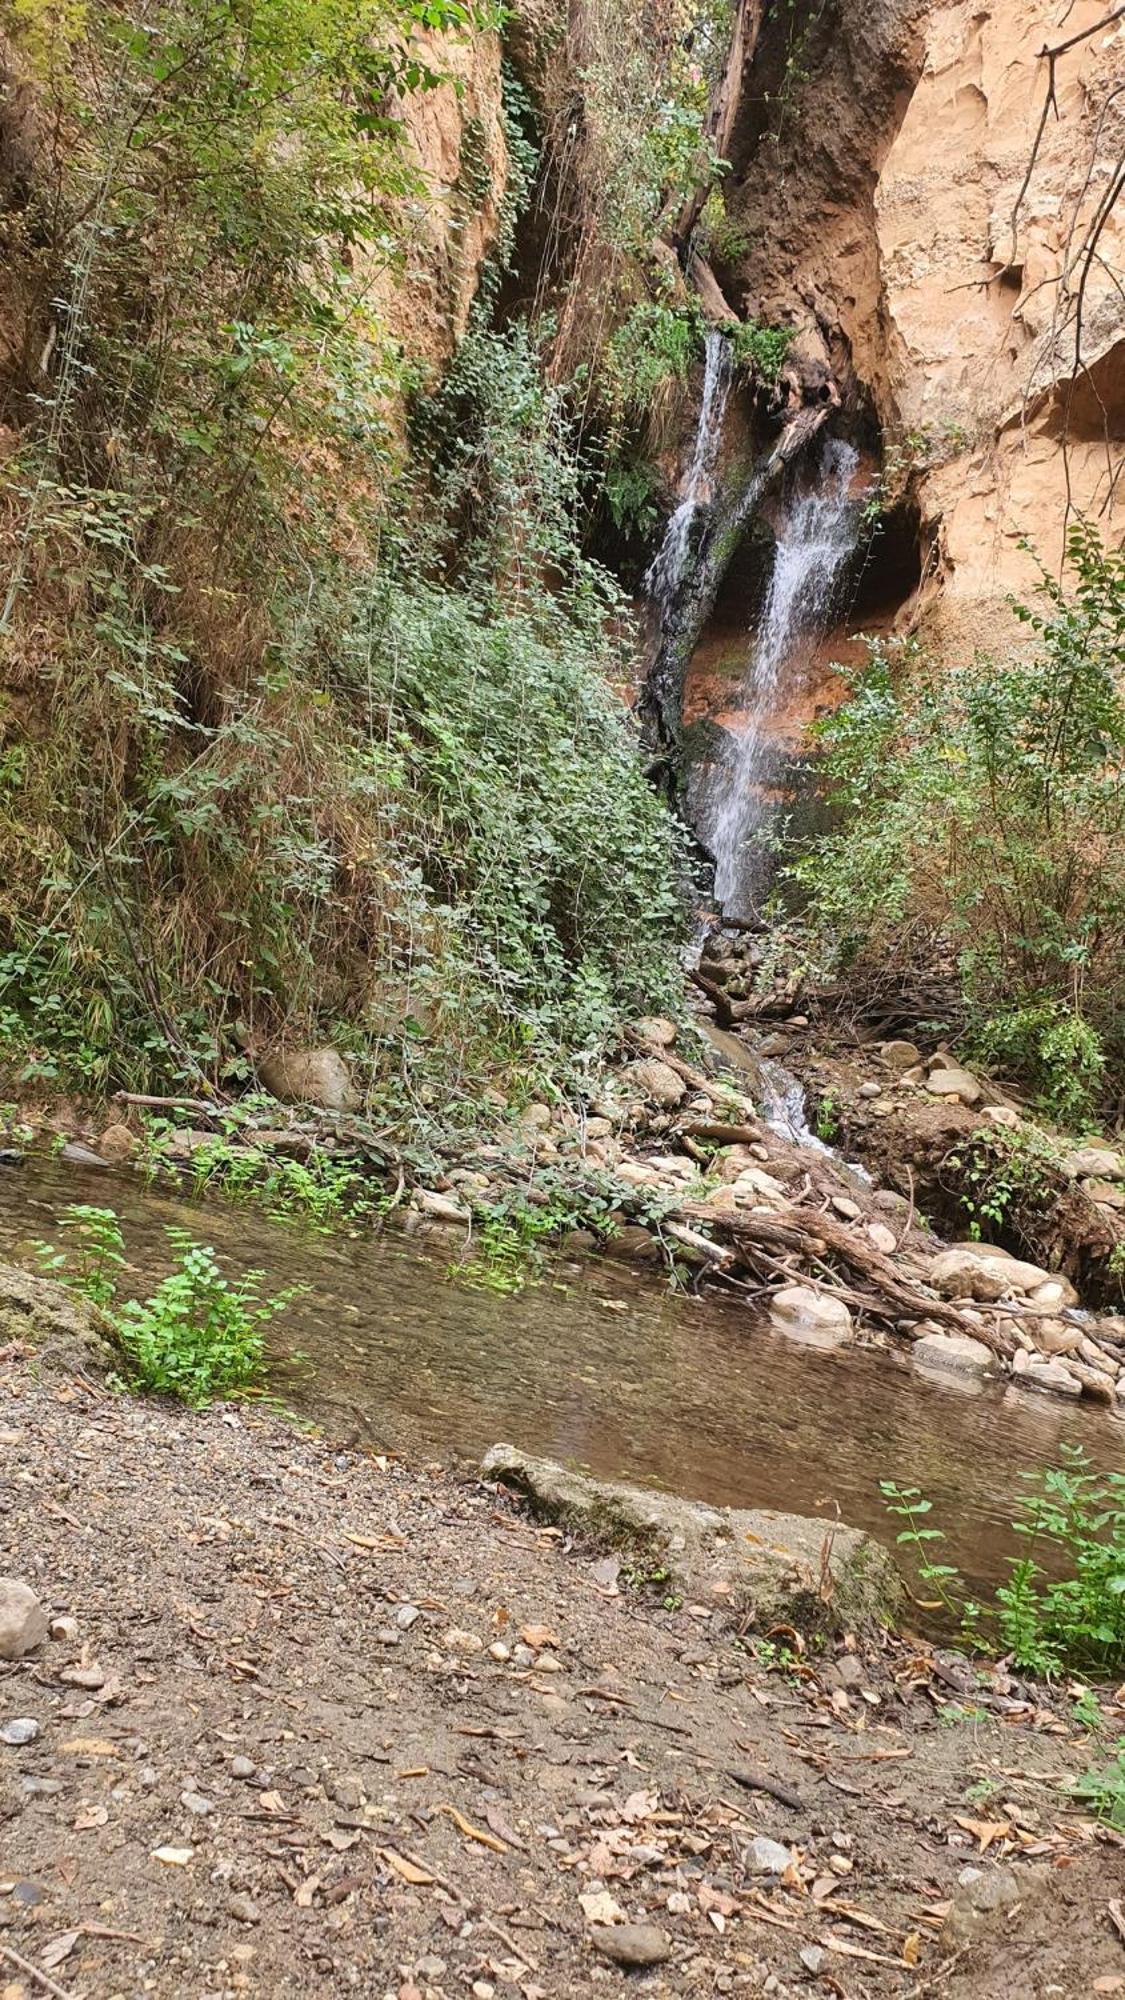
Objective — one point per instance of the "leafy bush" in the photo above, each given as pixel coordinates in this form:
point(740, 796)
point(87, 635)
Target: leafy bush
point(1063, 1602)
point(761, 349)
point(983, 813)
point(197, 1337)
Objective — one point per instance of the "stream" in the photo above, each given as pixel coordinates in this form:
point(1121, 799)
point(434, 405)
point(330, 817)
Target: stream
point(597, 1366)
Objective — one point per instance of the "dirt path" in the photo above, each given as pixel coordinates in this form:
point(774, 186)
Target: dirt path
point(276, 1755)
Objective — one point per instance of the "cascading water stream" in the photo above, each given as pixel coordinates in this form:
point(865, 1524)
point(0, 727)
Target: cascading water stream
point(668, 571)
point(816, 538)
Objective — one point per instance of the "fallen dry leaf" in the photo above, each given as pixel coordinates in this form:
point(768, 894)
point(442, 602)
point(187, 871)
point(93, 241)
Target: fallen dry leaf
point(985, 1830)
point(539, 1636)
point(57, 1948)
point(912, 1948)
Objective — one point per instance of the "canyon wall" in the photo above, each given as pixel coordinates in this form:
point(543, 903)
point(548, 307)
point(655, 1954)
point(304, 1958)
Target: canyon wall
point(886, 214)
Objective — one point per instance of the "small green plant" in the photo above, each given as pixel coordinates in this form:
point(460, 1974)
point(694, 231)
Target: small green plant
point(199, 1336)
point(1062, 1603)
point(761, 350)
point(1003, 1179)
point(93, 1255)
point(1104, 1790)
point(828, 1117)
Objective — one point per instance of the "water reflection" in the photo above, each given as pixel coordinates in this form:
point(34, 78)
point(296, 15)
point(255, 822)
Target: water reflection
point(696, 1396)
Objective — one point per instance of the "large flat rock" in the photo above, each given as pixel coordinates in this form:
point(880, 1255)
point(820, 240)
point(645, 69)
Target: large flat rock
point(763, 1566)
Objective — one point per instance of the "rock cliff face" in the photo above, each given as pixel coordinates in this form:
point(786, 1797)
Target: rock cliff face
point(885, 211)
point(999, 344)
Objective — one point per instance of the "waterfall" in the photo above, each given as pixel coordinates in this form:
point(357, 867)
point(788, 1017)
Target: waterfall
point(818, 533)
point(669, 569)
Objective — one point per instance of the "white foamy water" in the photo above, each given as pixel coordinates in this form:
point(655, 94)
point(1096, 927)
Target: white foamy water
point(668, 569)
point(816, 537)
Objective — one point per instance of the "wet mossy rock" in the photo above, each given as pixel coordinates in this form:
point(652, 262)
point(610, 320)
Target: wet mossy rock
point(762, 1567)
point(65, 1331)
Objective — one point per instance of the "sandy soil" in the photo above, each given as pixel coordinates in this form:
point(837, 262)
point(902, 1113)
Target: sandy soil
point(276, 1755)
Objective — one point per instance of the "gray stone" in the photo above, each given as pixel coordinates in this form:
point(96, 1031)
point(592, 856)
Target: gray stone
point(242, 1767)
point(309, 1076)
point(347, 1790)
point(196, 1804)
point(441, 1206)
point(243, 1909)
point(766, 1857)
point(812, 1957)
point(630, 1944)
point(985, 1897)
point(871, 1089)
point(954, 1083)
point(956, 1351)
point(23, 1621)
point(1052, 1375)
point(816, 1318)
point(77, 1155)
point(23, 1729)
point(765, 1566)
point(657, 1081)
point(407, 1615)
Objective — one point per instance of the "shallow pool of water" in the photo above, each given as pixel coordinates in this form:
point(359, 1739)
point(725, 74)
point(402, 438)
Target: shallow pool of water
point(601, 1368)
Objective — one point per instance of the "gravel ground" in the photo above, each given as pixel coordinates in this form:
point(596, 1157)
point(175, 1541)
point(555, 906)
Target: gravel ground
point(320, 1723)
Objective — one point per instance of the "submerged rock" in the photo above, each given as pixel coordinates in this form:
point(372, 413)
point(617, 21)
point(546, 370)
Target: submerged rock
point(817, 1318)
point(761, 1565)
point(956, 1351)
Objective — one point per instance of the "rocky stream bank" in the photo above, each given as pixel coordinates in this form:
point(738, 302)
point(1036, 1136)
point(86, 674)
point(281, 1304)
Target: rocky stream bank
point(280, 1717)
point(692, 1155)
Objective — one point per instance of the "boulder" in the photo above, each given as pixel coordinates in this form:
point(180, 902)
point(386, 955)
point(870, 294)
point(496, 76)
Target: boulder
point(1099, 1163)
point(441, 1207)
point(117, 1143)
point(755, 1185)
point(954, 1083)
point(900, 1055)
point(957, 1352)
point(1055, 1336)
point(76, 1154)
point(764, 1567)
point(657, 1081)
point(816, 1318)
point(23, 1621)
point(64, 1328)
point(657, 1030)
point(309, 1076)
point(1107, 1194)
point(985, 1272)
point(1053, 1376)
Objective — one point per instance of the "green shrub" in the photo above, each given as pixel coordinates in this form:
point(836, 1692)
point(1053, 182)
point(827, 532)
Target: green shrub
point(1062, 1604)
point(982, 814)
point(197, 1337)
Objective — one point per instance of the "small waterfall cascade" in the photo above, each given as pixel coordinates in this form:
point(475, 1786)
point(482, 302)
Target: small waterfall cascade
point(670, 568)
point(817, 536)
